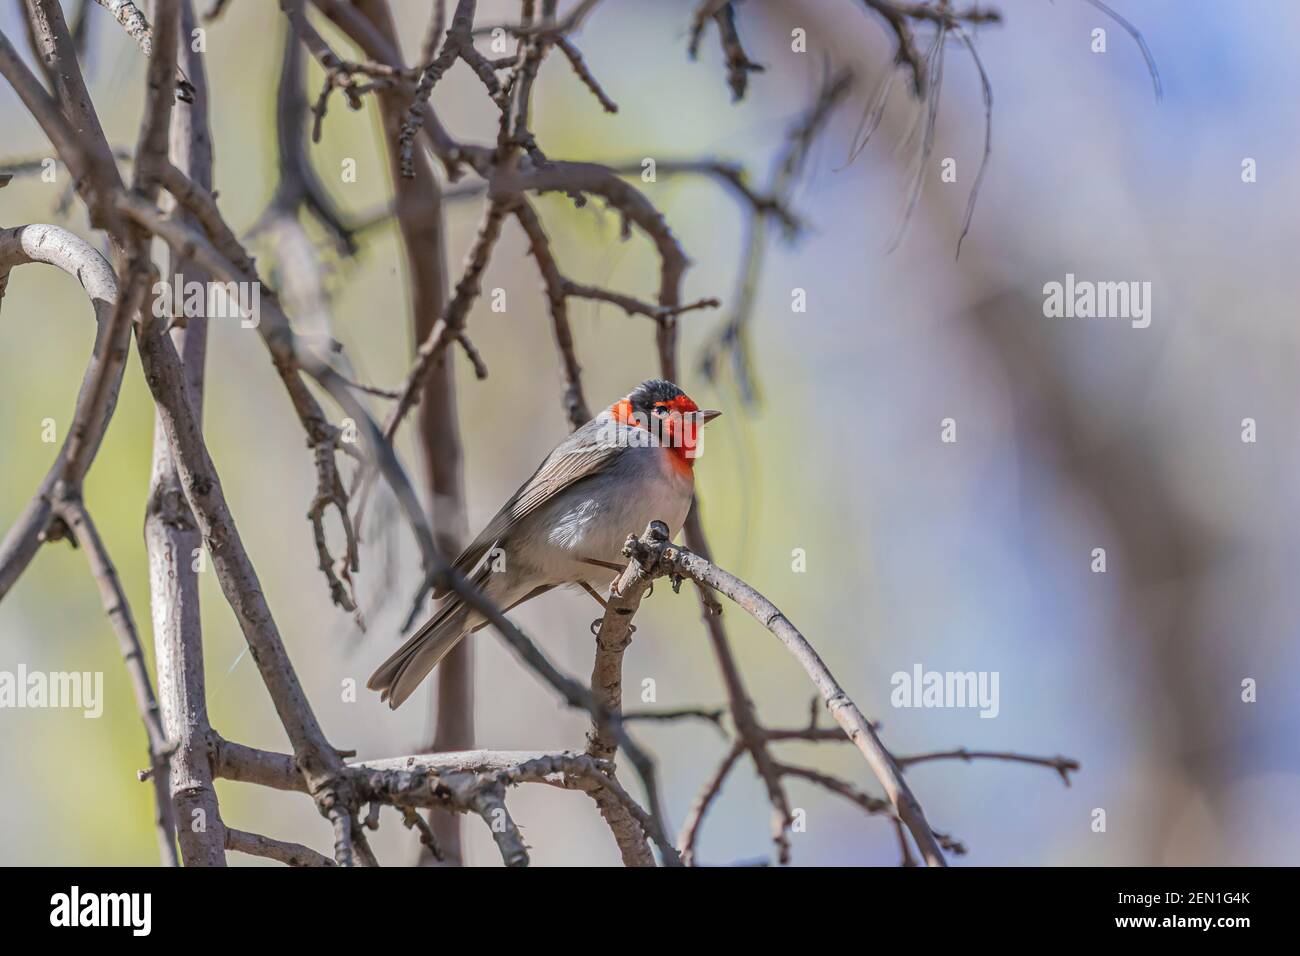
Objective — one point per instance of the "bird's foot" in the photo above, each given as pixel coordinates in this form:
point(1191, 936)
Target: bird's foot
point(596, 625)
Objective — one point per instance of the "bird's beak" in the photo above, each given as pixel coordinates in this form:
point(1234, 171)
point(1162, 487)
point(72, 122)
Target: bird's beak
point(709, 414)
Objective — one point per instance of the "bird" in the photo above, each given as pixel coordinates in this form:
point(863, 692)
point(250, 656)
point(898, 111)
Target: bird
point(567, 524)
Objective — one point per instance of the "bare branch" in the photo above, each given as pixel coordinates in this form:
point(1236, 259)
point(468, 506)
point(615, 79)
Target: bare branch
point(133, 22)
point(612, 640)
point(451, 327)
point(1062, 765)
point(581, 179)
point(318, 761)
point(749, 732)
point(739, 65)
point(986, 91)
point(695, 818)
point(298, 188)
point(846, 790)
point(713, 715)
point(458, 45)
point(901, 15)
point(226, 257)
point(557, 290)
point(75, 516)
point(58, 247)
point(290, 854)
point(467, 782)
point(584, 73)
point(679, 562)
point(1139, 39)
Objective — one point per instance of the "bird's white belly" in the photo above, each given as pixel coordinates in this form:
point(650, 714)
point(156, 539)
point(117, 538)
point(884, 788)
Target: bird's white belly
point(623, 502)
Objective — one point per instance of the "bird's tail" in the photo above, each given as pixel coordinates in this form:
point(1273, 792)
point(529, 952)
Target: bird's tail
point(398, 676)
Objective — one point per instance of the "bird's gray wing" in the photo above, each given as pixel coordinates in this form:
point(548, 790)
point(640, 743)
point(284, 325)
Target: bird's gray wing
point(589, 451)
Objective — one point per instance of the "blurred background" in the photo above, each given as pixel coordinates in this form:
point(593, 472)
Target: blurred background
point(1072, 434)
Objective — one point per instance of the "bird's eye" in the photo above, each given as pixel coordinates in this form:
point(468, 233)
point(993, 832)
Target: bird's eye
point(659, 411)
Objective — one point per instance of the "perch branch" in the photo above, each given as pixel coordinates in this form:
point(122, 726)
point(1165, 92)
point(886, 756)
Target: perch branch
point(659, 559)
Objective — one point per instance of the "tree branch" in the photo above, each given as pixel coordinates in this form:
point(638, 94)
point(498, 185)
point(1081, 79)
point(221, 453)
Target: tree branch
point(659, 559)
point(75, 516)
point(172, 538)
point(290, 854)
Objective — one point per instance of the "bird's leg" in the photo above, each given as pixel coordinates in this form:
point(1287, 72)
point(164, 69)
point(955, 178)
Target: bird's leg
point(541, 589)
point(603, 564)
point(613, 585)
point(594, 596)
point(595, 625)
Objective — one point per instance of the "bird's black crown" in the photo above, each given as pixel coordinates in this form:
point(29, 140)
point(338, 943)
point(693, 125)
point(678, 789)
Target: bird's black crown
point(648, 393)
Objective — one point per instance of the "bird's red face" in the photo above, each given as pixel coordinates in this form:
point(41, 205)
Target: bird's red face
point(675, 421)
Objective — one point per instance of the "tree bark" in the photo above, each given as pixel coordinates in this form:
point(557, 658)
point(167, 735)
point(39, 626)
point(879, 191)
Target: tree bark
point(171, 534)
